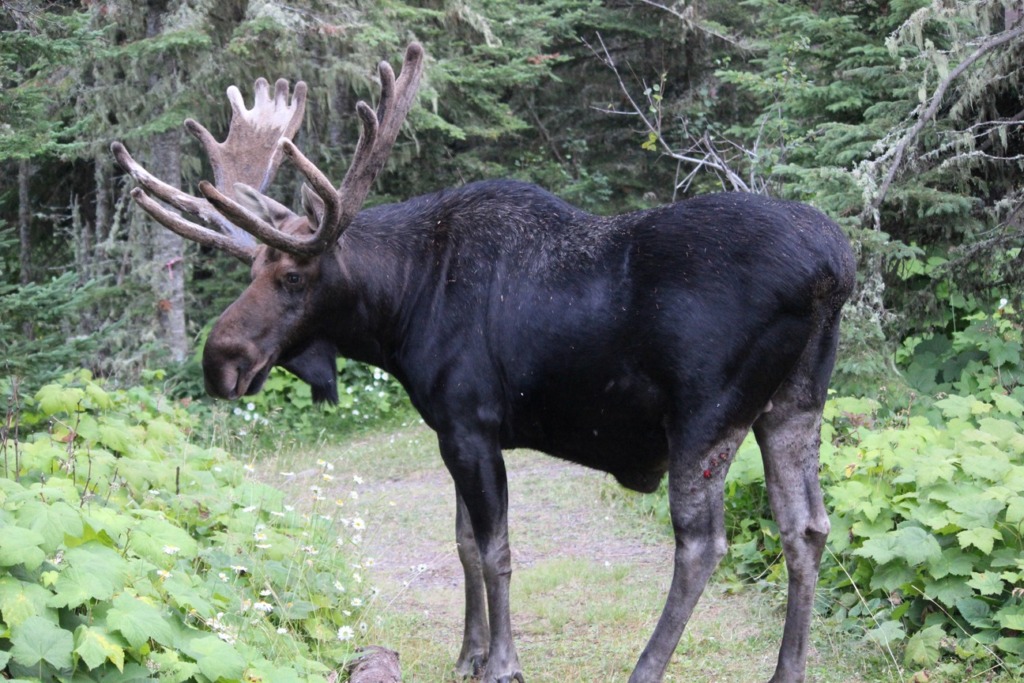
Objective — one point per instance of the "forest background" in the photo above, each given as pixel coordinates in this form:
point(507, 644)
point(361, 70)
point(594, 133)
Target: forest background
point(902, 119)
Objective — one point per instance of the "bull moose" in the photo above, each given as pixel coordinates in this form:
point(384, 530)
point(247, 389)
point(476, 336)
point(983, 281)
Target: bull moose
point(638, 344)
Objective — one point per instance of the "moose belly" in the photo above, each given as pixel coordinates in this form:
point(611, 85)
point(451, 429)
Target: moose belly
point(614, 424)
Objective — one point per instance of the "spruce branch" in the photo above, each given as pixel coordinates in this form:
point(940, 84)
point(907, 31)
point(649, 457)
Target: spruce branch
point(899, 152)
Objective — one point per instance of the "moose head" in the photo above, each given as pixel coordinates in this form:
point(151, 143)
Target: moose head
point(275, 321)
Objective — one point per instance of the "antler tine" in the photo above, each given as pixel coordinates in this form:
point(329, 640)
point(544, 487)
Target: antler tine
point(249, 155)
point(233, 241)
point(378, 133)
point(190, 231)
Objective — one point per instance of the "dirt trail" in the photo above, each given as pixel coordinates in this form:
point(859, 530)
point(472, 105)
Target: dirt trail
point(589, 575)
point(556, 510)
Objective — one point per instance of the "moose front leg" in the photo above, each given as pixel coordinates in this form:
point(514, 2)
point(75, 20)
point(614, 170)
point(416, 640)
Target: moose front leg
point(476, 637)
point(475, 463)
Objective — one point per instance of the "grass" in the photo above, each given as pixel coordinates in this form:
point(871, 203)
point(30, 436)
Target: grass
point(589, 582)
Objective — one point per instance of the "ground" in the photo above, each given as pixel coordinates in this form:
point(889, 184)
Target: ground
point(589, 574)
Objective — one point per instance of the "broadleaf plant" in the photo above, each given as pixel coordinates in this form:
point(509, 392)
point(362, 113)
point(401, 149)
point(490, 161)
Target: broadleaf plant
point(129, 552)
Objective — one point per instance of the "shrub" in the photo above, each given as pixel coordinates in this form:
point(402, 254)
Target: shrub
point(129, 552)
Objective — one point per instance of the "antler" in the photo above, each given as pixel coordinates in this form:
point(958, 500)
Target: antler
point(379, 131)
point(251, 155)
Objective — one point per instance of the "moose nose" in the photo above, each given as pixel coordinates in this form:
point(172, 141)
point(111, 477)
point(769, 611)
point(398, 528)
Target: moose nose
point(228, 365)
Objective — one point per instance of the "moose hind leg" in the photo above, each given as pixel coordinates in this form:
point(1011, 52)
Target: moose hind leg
point(789, 436)
point(789, 447)
point(696, 501)
point(477, 635)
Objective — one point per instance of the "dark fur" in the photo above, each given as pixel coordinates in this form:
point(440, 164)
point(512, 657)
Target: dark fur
point(631, 344)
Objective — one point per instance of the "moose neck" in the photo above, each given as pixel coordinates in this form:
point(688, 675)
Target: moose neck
point(377, 258)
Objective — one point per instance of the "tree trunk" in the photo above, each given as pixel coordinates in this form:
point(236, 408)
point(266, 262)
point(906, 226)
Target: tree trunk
point(25, 234)
point(24, 223)
point(168, 253)
point(168, 248)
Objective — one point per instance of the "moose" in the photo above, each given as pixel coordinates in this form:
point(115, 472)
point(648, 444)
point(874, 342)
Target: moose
point(639, 345)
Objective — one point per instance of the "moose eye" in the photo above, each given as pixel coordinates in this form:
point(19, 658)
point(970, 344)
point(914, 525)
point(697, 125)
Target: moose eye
point(292, 279)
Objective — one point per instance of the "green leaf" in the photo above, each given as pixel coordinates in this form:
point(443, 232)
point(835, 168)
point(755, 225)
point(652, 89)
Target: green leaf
point(988, 465)
point(977, 612)
point(162, 542)
point(912, 544)
point(975, 512)
point(923, 647)
point(56, 398)
point(174, 669)
point(53, 521)
point(96, 645)
point(1015, 510)
point(981, 538)
point(100, 398)
point(116, 436)
point(20, 600)
point(949, 590)
point(1011, 617)
point(986, 583)
point(1014, 646)
point(139, 621)
point(92, 572)
point(40, 640)
point(891, 576)
point(1008, 405)
point(887, 634)
point(21, 546)
point(216, 659)
point(952, 561)
point(961, 407)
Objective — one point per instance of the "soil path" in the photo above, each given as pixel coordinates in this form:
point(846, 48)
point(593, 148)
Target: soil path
point(589, 573)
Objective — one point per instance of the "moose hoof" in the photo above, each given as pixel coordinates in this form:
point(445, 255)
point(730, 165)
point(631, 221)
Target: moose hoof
point(517, 676)
point(472, 666)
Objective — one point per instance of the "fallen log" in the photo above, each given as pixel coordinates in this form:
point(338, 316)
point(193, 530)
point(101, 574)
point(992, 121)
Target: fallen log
point(375, 664)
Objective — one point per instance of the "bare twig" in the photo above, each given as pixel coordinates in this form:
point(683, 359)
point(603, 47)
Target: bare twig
point(706, 157)
point(690, 21)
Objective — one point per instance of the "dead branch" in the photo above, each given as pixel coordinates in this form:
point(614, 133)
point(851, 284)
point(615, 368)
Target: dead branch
point(704, 155)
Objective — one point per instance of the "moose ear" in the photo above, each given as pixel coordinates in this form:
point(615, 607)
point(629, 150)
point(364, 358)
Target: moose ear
point(268, 209)
point(313, 205)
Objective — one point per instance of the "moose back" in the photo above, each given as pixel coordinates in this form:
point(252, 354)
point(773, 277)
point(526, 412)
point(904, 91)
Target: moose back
point(639, 345)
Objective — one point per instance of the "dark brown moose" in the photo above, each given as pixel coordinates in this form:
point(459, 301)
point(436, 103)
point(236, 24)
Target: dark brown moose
point(639, 344)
